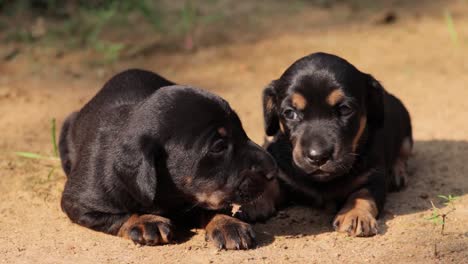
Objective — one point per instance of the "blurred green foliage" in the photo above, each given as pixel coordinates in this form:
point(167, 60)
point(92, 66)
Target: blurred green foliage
point(94, 24)
point(76, 23)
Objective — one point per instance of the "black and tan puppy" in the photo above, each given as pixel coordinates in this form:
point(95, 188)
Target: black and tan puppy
point(339, 136)
point(145, 156)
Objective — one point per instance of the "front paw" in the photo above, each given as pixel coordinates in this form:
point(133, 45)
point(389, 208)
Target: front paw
point(149, 230)
point(356, 222)
point(230, 233)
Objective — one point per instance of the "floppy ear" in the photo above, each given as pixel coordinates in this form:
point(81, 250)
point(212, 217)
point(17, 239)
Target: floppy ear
point(375, 102)
point(134, 166)
point(270, 114)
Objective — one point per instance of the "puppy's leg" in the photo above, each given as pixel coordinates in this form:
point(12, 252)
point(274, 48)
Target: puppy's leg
point(400, 168)
point(358, 216)
point(229, 233)
point(143, 229)
point(263, 207)
point(147, 229)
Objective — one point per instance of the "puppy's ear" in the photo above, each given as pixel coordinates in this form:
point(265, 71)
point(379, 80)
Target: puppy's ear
point(375, 102)
point(270, 109)
point(134, 165)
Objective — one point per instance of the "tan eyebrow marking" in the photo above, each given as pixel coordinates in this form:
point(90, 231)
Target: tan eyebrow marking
point(298, 101)
point(335, 96)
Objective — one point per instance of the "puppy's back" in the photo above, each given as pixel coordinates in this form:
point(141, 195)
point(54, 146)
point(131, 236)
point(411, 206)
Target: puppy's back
point(126, 88)
point(105, 113)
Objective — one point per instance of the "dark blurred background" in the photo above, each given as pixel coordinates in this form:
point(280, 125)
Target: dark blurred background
point(125, 29)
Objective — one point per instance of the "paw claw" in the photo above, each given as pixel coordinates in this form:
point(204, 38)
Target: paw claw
point(358, 223)
point(230, 233)
point(147, 230)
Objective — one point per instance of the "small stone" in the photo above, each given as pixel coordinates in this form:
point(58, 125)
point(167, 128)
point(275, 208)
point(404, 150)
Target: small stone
point(386, 18)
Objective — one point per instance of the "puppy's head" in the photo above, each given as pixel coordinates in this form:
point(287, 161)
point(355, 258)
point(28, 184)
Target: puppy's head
point(325, 106)
point(194, 142)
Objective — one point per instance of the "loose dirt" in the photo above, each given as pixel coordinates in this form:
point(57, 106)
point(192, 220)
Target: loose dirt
point(414, 58)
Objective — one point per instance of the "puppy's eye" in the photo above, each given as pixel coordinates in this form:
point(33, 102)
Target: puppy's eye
point(345, 110)
point(219, 146)
point(290, 114)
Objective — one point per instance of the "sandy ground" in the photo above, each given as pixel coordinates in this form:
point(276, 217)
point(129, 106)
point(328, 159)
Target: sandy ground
point(414, 58)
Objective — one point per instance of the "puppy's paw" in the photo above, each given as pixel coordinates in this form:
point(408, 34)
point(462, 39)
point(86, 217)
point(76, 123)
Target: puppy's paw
point(356, 222)
point(230, 233)
point(262, 208)
point(149, 230)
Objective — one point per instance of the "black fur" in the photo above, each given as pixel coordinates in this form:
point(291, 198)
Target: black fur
point(144, 146)
point(315, 149)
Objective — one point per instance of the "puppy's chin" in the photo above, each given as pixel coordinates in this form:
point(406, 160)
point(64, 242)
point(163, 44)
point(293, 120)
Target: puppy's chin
point(326, 172)
point(252, 188)
point(212, 200)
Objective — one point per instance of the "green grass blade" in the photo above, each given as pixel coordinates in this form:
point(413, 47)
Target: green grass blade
point(31, 155)
point(50, 173)
point(54, 137)
point(443, 197)
point(451, 27)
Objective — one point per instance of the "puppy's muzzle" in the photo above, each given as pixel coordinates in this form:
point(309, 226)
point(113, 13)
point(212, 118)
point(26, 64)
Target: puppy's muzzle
point(263, 163)
point(317, 156)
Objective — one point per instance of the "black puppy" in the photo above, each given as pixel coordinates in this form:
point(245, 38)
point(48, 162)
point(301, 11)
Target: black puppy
point(145, 156)
point(336, 135)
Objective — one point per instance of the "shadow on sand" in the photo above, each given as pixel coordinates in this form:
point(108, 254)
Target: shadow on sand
point(437, 167)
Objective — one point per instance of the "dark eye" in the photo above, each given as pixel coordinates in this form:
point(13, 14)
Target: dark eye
point(290, 114)
point(219, 146)
point(345, 110)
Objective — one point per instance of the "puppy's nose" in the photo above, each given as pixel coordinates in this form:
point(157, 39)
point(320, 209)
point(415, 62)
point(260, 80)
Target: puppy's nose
point(318, 156)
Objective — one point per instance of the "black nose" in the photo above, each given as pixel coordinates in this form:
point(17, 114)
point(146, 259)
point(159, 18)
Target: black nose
point(318, 156)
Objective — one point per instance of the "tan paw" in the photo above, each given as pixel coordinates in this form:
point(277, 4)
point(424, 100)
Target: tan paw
point(356, 222)
point(230, 233)
point(149, 230)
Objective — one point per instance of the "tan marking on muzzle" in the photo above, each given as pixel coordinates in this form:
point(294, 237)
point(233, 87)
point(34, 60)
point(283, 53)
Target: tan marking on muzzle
point(362, 126)
point(188, 180)
point(298, 101)
point(212, 200)
point(297, 150)
point(281, 126)
point(335, 96)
